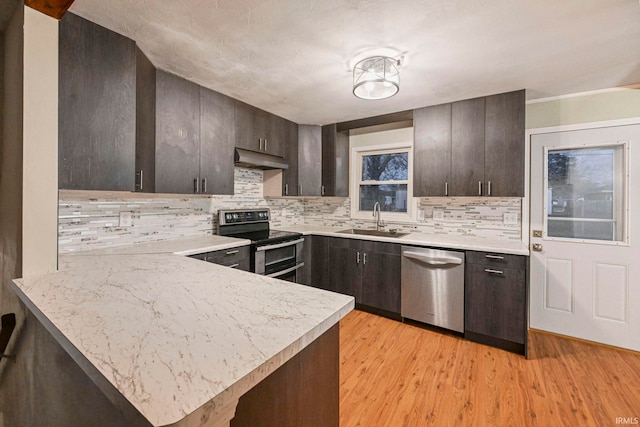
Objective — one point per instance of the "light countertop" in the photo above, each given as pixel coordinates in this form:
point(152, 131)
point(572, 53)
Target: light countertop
point(513, 247)
point(181, 246)
point(180, 339)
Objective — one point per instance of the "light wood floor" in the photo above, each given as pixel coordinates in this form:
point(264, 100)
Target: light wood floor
point(393, 374)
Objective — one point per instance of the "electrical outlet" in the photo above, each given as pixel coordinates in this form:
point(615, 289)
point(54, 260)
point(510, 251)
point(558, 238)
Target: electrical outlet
point(438, 215)
point(510, 218)
point(126, 219)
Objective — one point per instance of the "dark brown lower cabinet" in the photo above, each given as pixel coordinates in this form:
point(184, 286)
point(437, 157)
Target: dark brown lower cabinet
point(496, 300)
point(302, 392)
point(239, 258)
point(368, 271)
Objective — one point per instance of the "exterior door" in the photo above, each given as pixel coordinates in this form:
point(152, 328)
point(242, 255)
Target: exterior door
point(585, 217)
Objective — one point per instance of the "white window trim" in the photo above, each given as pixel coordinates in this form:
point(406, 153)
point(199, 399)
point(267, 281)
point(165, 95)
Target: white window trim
point(355, 172)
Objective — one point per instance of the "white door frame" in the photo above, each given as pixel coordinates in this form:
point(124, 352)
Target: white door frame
point(526, 201)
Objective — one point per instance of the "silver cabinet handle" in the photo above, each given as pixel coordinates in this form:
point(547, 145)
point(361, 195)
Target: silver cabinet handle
point(140, 175)
point(260, 142)
point(286, 189)
point(196, 188)
point(446, 188)
point(479, 188)
point(265, 144)
point(488, 270)
point(234, 265)
point(358, 258)
point(322, 190)
point(233, 252)
point(494, 256)
point(204, 185)
point(488, 188)
point(364, 259)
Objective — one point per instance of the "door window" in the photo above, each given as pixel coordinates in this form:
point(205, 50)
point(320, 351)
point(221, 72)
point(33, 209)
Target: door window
point(586, 190)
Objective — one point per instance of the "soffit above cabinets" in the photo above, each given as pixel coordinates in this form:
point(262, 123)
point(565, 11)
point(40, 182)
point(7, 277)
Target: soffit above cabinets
point(293, 57)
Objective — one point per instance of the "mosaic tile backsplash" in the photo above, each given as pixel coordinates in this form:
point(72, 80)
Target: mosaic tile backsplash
point(89, 220)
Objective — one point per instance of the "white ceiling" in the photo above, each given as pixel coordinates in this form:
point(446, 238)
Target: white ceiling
point(293, 57)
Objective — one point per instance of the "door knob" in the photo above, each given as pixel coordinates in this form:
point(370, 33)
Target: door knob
point(536, 247)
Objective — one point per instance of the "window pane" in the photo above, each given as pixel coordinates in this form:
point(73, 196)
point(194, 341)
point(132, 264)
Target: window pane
point(584, 191)
point(385, 167)
point(392, 198)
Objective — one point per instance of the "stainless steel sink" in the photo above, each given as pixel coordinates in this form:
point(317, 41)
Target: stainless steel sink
point(366, 232)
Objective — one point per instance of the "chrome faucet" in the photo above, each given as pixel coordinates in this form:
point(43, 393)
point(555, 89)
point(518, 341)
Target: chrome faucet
point(376, 213)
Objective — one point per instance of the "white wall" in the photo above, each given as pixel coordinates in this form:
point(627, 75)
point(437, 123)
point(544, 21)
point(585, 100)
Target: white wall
point(589, 107)
point(40, 144)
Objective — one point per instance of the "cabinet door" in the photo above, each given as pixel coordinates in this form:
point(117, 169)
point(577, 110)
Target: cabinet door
point(432, 150)
point(495, 303)
point(290, 175)
point(249, 125)
point(145, 124)
point(320, 263)
point(177, 134)
point(467, 148)
point(381, 281)
point(97, 96)
point(335, 162)
point(304, 273)
point(275, 137)
point(309, 160)
point(504, 144)
point(217, 142)
point(345, 272)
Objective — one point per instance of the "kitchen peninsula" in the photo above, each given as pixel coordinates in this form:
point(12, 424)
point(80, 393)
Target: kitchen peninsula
point(176, 341)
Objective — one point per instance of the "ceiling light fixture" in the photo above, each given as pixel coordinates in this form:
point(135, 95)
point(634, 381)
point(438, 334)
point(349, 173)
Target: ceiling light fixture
point(376, 77)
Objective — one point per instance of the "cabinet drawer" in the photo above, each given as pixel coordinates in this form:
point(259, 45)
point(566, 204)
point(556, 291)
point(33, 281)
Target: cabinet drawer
point(228, 256)
point(492, 259)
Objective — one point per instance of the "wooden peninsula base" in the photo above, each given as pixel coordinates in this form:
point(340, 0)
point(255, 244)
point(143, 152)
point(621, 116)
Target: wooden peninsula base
point(302, 392)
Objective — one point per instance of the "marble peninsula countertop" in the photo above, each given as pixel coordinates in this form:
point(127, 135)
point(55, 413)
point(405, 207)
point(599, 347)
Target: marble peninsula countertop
point(179, 339)
point(513, 247)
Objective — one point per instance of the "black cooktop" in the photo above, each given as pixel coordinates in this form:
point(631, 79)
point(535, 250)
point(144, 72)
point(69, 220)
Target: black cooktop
point(252, 224)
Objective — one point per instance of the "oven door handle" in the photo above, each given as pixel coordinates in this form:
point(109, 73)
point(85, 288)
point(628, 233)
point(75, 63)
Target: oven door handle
point(279, 245)
point(288, 270)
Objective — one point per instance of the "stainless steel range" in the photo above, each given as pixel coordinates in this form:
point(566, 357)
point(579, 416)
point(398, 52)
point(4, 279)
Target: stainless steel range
point(273, 253)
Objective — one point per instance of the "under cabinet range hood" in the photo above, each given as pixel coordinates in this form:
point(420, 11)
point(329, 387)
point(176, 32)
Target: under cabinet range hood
point(257, 160)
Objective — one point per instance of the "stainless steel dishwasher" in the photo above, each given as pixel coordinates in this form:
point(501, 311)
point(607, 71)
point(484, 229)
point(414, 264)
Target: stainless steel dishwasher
point(433, 287)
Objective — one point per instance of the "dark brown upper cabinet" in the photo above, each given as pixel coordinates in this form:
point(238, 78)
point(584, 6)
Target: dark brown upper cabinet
point(97, 107)
point(258, 130)
point(467, 148)
point(504, 143)
point(195, 138)
point(470, 148)
point(335, 162)
point(432, 150)
point(217, 142)
point(290, 176)
point(309, 160)
point(177, 135)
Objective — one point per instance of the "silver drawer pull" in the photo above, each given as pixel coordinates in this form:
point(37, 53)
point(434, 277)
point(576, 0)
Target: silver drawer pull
point(494, 257)
point(488, 270)
point(234, 265)
point(233, 252)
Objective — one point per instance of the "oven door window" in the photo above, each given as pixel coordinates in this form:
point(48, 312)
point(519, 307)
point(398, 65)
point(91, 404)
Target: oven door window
point(279, 259)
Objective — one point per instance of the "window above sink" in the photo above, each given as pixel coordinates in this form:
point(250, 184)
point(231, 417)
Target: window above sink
point(383, 173)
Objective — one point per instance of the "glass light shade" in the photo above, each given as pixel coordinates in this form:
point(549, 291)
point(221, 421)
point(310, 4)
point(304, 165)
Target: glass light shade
point(376, 78)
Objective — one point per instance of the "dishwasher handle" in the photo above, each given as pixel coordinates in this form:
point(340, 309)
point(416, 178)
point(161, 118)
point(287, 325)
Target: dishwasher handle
point(431, 259)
